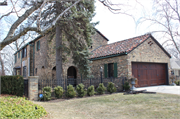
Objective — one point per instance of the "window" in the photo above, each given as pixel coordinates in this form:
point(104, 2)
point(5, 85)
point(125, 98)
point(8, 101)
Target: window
point(36, 70)
point(24, 52)
point(18, 72)
point(15, 58)
point(19, 54)
point(179, 72)
point(38, 45)
point(24, 71)
point(110, 70)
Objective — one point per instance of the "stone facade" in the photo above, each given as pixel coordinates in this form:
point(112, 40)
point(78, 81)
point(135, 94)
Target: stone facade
point(42, 62)
point(147, 53)
point(33, 88)
point(143, 53)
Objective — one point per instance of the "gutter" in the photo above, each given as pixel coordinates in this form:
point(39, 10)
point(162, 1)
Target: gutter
point(109, 56)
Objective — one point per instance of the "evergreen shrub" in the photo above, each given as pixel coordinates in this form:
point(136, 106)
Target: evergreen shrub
point(126, 86)
point(47, 93)
point(13, 85)
point(111, 87)
point(90, 91)
point(70, 91)
point(58, 91)
point(80, 90)
point(101, 88)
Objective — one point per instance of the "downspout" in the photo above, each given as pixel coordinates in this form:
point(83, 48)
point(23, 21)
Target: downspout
point(33, 58)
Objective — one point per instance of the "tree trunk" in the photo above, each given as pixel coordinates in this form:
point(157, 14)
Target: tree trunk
point(59, 55)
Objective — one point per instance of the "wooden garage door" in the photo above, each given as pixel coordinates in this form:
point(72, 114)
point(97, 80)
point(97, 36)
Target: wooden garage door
point(149, 74)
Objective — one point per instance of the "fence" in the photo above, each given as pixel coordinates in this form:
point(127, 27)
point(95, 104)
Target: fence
point(87, 82)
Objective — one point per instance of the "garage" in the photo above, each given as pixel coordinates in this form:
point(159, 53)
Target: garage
point(149, 74)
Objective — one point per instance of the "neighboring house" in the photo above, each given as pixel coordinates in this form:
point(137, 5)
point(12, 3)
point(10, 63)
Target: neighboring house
point(142, 56)
point(175, 66)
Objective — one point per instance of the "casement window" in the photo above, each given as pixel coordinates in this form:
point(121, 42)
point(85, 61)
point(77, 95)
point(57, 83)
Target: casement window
point(24, 71)
point(24, 52)
point(19, 54)
point(110, 70)
point(38, 45)
point(15, 58)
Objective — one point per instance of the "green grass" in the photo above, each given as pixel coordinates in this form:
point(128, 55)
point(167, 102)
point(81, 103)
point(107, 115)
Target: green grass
point(18, 107)
point(116, 106)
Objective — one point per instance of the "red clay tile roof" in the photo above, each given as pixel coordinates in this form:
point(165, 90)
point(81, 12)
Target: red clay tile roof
point(120, 47)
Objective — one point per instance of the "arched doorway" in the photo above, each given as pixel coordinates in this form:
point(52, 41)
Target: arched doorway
point(54, 73)
point(71, 76)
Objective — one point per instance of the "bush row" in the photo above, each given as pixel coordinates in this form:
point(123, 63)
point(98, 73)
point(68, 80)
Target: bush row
point(13, 85)
point(80, 91)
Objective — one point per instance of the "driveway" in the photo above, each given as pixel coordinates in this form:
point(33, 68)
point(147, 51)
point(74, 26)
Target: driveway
point(162, 89)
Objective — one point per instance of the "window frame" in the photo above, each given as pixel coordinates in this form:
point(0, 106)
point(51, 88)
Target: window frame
point(38, 45)
point(24, 52)
point(24, 71)
point(15, 58)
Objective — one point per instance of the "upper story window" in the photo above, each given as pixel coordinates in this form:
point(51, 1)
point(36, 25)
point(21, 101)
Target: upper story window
point(24, 52)
point(15, 58)
point(38, 45)
point(19, 54)
point(24, 71)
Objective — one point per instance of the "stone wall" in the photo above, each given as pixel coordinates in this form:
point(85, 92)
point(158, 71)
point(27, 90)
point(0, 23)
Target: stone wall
point(98, 40)
point(122, 65)
point(147, 53)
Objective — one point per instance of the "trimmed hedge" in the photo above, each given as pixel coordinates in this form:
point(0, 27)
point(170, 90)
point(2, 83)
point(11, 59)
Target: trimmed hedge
point(13, 85)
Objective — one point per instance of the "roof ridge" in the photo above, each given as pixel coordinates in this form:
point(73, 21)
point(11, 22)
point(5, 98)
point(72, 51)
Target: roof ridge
point(131, 38)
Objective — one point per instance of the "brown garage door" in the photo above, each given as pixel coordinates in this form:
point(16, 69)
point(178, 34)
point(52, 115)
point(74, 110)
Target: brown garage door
point(149, 74)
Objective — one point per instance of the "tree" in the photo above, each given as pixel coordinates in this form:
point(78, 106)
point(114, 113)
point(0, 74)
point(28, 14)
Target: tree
point(166, 19)
point(70, 18)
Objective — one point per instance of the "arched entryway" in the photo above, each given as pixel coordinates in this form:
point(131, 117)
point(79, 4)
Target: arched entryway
point(54, 73)
point(71, 76)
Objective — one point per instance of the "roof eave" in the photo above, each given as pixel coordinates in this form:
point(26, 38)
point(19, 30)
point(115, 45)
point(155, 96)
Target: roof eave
point(109, 56)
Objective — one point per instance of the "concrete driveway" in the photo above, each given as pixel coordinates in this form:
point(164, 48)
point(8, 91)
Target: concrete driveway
point(162, 89)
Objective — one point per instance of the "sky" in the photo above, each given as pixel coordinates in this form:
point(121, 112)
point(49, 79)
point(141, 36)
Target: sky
point(115, 27)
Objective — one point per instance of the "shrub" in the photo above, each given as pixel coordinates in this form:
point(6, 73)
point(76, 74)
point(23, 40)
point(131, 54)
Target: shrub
point(20, 108)
point(47, 93)
point(58, 91)
point(80, 90)
point(111, 87)
point(90, 90)
point(13, 85)
point(101, 88)
point(177, 82)
point(70, 91)
point(126, 86)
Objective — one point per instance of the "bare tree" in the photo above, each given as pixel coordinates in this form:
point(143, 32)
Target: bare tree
point(165, 17)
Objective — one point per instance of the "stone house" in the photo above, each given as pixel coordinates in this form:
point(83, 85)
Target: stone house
point(38, 58)
point(142, 56)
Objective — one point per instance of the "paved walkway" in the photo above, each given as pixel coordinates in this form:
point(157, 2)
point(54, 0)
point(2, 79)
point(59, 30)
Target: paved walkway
point(162, 89)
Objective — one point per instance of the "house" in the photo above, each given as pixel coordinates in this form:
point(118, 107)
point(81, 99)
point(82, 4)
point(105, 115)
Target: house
point(142, 56)
point(175, 67)
point(38, 58)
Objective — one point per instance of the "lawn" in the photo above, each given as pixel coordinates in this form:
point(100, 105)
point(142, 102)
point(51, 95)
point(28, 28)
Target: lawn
point(12, 107)
point(116, 106)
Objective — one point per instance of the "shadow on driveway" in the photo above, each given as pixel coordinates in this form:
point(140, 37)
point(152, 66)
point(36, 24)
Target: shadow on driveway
point(162, 89)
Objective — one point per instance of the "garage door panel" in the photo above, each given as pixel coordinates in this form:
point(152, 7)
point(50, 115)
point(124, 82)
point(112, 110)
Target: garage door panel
point(149, 74)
